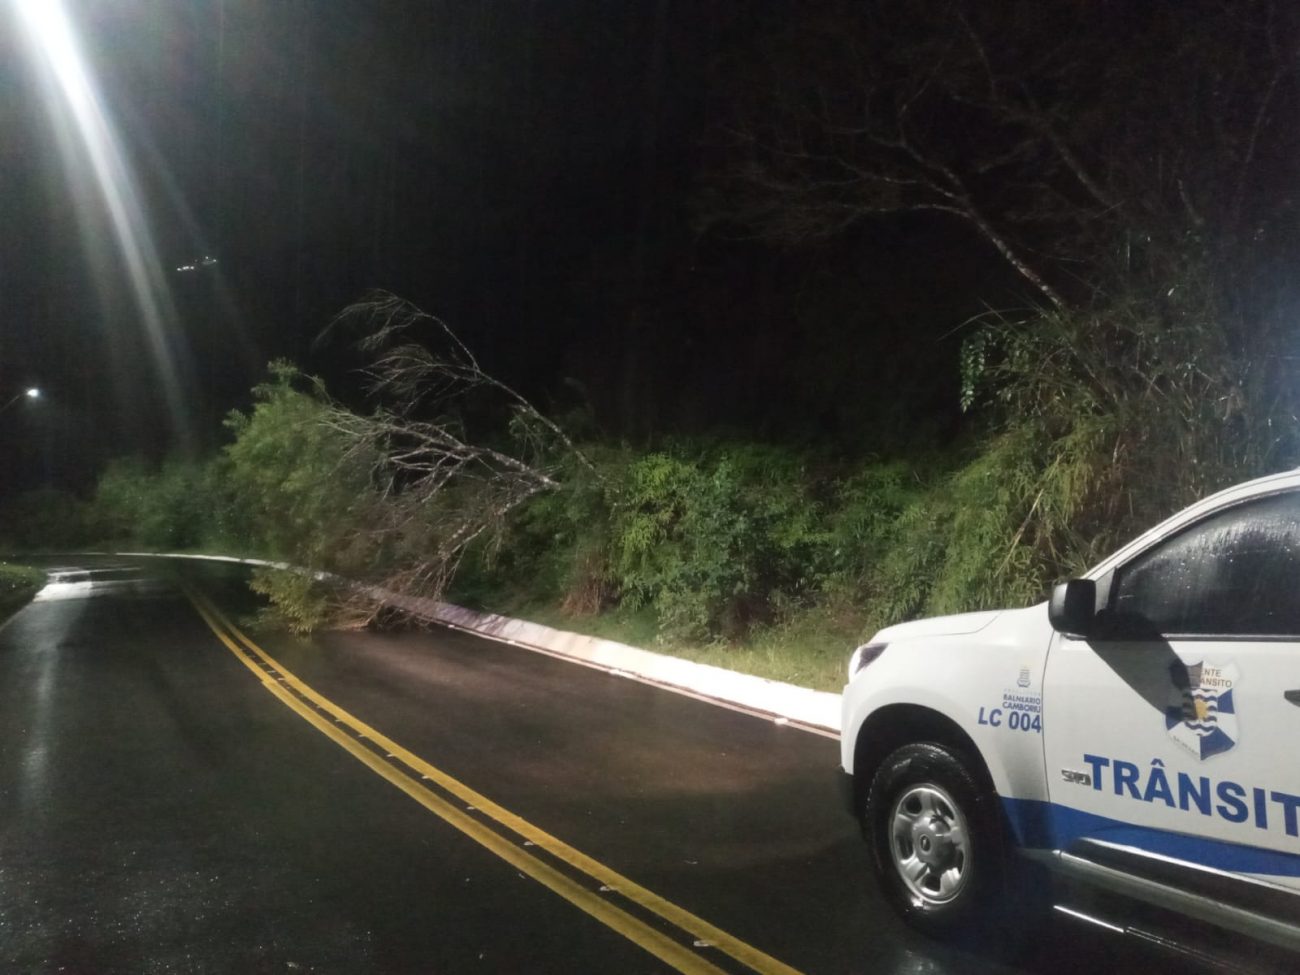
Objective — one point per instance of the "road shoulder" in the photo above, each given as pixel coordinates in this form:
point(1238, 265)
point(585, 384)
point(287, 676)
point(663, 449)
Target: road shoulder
point(816, 711)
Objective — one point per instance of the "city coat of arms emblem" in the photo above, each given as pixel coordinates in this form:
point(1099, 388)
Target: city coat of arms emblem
point(1205, 720)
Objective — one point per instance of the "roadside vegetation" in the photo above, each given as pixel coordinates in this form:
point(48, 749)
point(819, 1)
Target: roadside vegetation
point(767, 558)
point(1142, 357)
point(18, 584)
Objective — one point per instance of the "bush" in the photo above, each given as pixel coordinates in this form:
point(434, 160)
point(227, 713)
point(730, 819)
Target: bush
point(713, 538)
point(1105, 422)
point(18, 584)
point(556, 548)
point(716, 542)
point(44, 520)
point(863, 516)
point(298, 602)
point(297, 489)
point(179, 504)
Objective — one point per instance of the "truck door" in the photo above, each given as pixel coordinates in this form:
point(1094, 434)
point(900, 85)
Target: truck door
point(1170, 736)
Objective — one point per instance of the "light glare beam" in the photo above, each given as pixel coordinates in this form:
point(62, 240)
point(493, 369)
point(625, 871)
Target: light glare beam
point(51, 38)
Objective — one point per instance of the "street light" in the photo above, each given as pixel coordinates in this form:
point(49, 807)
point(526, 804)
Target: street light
point(31, 392)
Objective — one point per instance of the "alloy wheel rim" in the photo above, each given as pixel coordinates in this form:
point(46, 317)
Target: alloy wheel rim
point(930, 845)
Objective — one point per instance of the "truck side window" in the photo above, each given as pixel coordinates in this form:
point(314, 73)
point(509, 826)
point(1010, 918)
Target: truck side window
point(1235, 573)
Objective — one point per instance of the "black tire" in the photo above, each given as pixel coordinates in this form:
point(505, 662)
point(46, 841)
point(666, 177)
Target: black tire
point(936, 839)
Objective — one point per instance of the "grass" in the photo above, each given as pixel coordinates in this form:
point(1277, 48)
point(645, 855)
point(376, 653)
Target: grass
point(18, 584)
point(810, 650)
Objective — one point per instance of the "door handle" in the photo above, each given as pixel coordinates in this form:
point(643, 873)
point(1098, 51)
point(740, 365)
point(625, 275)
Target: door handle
point(1292, 696)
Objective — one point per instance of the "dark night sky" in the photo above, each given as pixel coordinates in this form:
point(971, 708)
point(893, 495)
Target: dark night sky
point(522, 169)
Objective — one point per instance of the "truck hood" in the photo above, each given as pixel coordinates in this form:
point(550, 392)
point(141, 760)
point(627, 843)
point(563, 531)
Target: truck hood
point(958, 625)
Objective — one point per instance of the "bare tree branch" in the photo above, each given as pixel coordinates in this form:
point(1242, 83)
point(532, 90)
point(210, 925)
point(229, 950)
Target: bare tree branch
point(439, 491)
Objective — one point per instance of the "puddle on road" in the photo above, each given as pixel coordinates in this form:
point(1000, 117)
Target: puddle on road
point(116, 580)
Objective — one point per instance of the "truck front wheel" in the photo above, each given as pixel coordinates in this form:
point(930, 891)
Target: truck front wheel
point(933, 830)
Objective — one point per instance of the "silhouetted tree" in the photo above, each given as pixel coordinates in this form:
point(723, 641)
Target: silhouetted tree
point(1079, 139)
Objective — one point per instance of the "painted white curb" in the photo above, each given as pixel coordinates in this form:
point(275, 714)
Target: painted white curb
point(815, 710)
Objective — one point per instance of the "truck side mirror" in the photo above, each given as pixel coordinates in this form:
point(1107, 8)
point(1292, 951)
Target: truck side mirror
point(1073, 607)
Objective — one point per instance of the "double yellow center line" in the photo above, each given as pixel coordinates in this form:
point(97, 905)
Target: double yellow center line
point(670, 933)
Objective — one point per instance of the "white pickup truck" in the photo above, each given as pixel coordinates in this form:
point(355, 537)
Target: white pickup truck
point(1139, 732)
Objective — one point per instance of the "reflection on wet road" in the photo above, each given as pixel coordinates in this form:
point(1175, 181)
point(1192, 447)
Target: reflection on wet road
point(122, 581)
point(161, 811)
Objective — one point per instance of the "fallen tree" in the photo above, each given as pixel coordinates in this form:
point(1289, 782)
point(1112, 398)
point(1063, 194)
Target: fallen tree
point(395, 495)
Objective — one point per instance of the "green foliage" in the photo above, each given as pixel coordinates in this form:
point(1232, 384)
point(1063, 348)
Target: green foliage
point(956, 546)
point(1107, 421)
point(1095, 423)
point(44, 520)
point(302, 491)
point(18, 584)
point(573, 529)
point(714, 539)
point(299, 490)
point(556, 548)
point(287, 486)
point(703, 535)
point(298, 602)
point(178, 505)
point(711, 541)
point(863, 515)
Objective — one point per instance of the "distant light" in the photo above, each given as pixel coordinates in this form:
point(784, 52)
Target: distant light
point(33, 393)
point(207, 260)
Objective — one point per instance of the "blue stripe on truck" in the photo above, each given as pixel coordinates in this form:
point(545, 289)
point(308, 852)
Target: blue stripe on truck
point(1048, 825)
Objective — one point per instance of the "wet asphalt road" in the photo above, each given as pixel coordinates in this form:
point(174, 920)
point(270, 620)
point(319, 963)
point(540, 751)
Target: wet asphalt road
point(162, 811)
